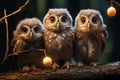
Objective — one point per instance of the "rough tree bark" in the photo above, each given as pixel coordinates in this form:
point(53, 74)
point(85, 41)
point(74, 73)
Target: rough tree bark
point(110, 71)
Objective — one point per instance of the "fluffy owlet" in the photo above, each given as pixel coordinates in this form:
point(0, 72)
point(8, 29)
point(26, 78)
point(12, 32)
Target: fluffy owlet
point(90, 36)
point(59, 36)
point(27, 38)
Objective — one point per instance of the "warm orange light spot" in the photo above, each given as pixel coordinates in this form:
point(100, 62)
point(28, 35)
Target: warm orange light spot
point(111, 11)
point(47, 61)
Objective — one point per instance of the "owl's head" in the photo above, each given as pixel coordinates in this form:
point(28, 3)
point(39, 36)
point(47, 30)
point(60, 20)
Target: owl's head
point(57, 20)
point(29, 28)
point(89, 20)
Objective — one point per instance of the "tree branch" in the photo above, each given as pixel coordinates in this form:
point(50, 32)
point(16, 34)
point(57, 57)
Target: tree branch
point(109, 71)
point(15, 12)
point(114, 3)
point(7, 36)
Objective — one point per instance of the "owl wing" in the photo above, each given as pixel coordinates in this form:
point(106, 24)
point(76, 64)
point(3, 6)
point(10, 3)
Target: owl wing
point(72, 37)
point(13, 42)
point(104, 36)
point(19, 45)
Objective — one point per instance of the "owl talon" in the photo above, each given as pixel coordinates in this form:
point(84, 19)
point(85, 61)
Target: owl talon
point(80, 64)
point(94, 64)
point(33, 67)
point(55, 66)
point(67, 65)
point(26, 68)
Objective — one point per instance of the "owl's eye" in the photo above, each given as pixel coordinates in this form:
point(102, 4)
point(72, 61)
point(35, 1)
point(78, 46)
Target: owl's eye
point(94, 20)
point(83, 20)
point(36, 29)
point(24, 29)
point(52, 18)
point(63, 19)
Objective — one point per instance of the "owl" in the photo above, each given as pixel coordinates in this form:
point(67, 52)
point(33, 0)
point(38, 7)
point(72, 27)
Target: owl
point(59, 37)
point(28, 37)
point(90, 37)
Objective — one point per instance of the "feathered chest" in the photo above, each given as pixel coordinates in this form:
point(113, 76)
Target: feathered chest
point(58, 41)
point(21, 45)
point(93, 36)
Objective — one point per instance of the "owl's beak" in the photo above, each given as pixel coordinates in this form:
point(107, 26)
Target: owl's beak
point(58, 26)
point(31, 34)
point(88, 25)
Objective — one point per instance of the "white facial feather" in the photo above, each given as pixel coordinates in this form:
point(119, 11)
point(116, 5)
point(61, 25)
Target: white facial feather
point(86, 11)
point(57, 14)
point(30, 24)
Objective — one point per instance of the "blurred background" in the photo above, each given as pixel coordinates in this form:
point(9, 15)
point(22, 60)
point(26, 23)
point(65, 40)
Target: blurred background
point(38, 8)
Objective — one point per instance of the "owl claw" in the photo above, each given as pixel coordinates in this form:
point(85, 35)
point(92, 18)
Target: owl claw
point(33, 67)
point(94, 64)
point(26, 68)
point(55, 66)
point(80, 64)
point(67, 65)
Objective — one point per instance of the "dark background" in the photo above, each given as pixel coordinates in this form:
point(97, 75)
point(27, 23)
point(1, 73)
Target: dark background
point(38, 8)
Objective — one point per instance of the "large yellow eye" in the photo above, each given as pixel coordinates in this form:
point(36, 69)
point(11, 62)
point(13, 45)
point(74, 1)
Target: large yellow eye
point(24, 29)
point(52, 18)
point(83, 19)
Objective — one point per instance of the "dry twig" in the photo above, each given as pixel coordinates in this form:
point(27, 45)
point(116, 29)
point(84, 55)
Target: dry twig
point(15, 12)
point(114, 3)
point(6, 23)
point(7, 36)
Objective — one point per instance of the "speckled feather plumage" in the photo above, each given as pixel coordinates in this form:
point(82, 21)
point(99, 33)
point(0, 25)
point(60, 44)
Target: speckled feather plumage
point(59, 46)
point(22, 41)
point(59, 43)
point(89, 41)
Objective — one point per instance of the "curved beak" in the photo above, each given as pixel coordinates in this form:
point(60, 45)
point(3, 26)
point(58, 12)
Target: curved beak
point(30, 34)
point(58, 26)
point(88, 25)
